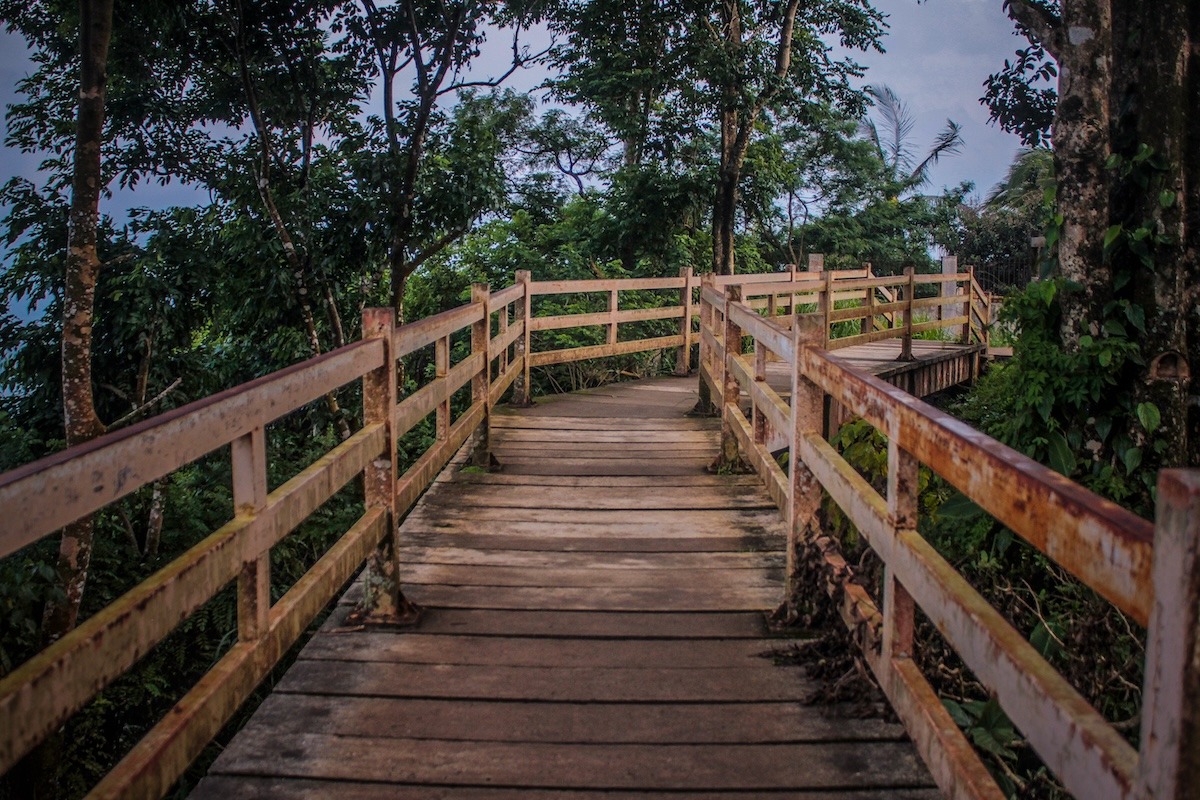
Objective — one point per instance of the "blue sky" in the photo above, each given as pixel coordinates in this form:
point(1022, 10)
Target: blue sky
point(938, 54)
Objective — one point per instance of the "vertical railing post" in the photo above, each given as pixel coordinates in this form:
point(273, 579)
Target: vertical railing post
point(382, 599)
point(481, 339)
point(613, 307)
point(1168, 768)
point(249, 461)
point(706, 403)
point(731, 390)
point(804, 492)
point(969, 305)
point(441, 367)
point(868, 321)
point(683, 357)
point(825, 307)
point(908, 289)
point(758, 420)
point(902, 498)
point(521, 388)
point(949, 288)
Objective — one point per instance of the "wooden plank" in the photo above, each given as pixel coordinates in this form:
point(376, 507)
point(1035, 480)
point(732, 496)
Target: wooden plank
point(529, 598)
point(549, 357)
point(612, 580)
point(605, 318)
point(604, 450)
point(603, 285)
point(512, 421)
point(620, 437)
point(708, 767)
point(587, 723)
point(563, 466)
point(664, 522)
point(447, 553)
point(605, 625)
point(777, 340)
point(487, 651)
point(59, 489)
point(506, 296)
point(529, 540)
point(252, 787)
point(588, 498)
point(697, 483)
point(546, 684)
point(416, 335)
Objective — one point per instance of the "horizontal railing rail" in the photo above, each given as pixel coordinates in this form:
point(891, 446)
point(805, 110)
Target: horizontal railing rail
point(1148, 571)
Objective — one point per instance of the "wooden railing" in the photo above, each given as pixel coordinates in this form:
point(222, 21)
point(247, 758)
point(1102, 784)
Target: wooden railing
point(1150, 572)
point(41, 497)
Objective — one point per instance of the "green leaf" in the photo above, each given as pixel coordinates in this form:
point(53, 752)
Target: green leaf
point(1132, 458)
point(1111, 235)
point(1149, 416)
point(957, 713)
point(1105, 357)
point(1136, 316)
point(1103, 427)
point(1046, 640)
point(1061, 458)
point(958, 508)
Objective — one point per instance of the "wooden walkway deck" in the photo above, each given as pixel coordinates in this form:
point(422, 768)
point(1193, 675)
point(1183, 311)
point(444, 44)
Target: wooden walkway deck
point(594, 627)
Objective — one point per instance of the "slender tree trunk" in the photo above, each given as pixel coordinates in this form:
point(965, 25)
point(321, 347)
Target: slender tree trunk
point(83, 270)
point(1191, 214)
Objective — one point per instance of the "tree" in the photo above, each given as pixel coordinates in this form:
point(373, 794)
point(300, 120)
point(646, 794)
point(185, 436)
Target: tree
point(82, 271)
point(1127, 167)
point(436, 42)
point(753, 57)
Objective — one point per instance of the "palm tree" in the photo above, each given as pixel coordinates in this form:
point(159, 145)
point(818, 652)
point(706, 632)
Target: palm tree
point(891, 134)
point(1024, 186)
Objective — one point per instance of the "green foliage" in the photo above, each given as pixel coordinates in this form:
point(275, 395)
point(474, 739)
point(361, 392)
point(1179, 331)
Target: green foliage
point(1074, 410)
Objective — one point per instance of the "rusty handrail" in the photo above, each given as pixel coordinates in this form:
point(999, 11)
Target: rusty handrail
point(1150, 571)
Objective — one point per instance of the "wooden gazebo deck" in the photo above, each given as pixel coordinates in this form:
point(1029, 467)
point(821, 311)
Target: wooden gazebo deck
point(594, 626)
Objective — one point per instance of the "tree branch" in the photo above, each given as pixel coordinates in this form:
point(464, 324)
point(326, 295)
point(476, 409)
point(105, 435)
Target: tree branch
point(144, 407)
point(1040, 24)
point(433, 249)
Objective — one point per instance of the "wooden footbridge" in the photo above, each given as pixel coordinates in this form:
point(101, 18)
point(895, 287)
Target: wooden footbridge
point(588, 618)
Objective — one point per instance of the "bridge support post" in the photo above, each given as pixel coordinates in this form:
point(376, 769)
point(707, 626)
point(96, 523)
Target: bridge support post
point(1168, 768)
point(383, 601)
point(804, 491)
point(731, 390)
point(521, 388)
point(909, 288)
point(707, 367)
point(683, 357)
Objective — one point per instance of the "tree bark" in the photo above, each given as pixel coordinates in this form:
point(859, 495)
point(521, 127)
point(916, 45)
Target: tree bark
point(1160, 115)
point(1082, 145)
point(83, 270)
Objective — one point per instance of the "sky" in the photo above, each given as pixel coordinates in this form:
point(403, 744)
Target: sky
point(938, 54)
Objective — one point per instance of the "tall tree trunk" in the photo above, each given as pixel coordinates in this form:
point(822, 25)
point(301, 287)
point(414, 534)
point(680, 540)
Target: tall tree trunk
point(1161, 117)
point(1082, 146)
point(83, 269)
